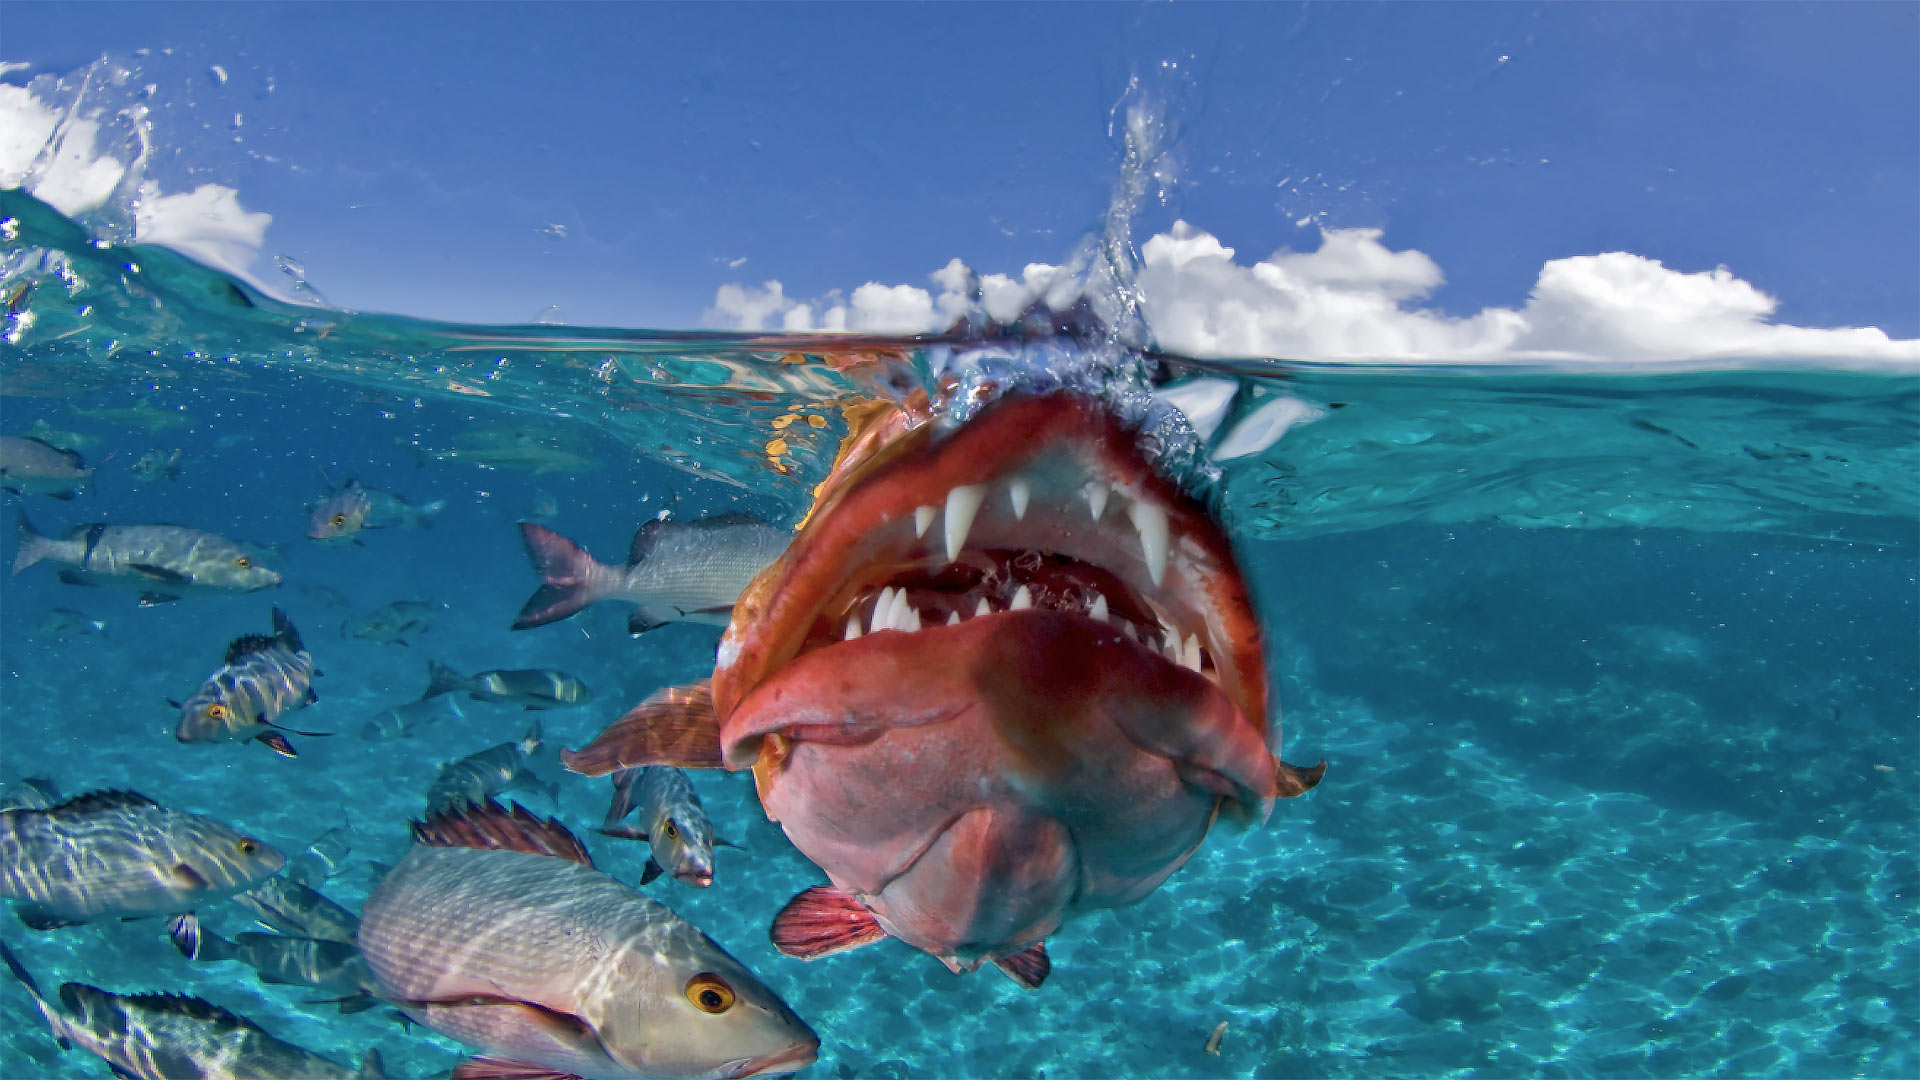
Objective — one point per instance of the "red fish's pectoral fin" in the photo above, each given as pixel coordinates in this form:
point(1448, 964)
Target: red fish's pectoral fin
point(496, 1069)
point(822, 921)
point(676, 726)
point(1029, 968)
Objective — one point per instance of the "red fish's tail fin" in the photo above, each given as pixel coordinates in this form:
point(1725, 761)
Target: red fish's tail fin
point(676, 726)
point(569, 573)
point(822, 921)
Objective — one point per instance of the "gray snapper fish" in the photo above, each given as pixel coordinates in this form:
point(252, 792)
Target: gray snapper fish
point(352, 507)
point(162, 562)
point(496, 931)
point(262, 679)
point(493, 771)
point(29, 793)
point(392, 624)
point(676, 571)
point(533, 688)
point(119, 854)
point(282, 960)
point(399, 721)
point(156, 465)
point(172, 1037)
point(30, 466)
point(298, 910)
point(672, 822)
point(60, 623)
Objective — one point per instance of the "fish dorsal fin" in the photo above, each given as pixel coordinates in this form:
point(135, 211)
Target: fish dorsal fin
point(94, 801)
point(643, 540)
point(192, 1008)
point(728, 519)
point(250, 643)
point(489, 826)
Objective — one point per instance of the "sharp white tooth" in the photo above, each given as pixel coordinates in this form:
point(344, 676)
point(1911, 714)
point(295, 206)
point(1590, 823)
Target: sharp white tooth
point(1151, 523)
point(1190, 652)
point(962, 503)
point(883, 611)
point(1097, 498)
point(1022, 599)
point(853, 627)
point(953, 618)
point(982, 608)
point(910, 622)
point(1022, 493)
point(898, 616)
point(1098, 609)
point(922, 518)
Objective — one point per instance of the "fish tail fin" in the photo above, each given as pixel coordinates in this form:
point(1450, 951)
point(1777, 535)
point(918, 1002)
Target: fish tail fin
point(531, 740)
point(33, 546)
point(283, 630)
point(569, 573)
point(46, 1007)
point(195, 942)
point(442, 679)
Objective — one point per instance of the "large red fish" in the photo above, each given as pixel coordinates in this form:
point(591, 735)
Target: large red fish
point(1003, 674)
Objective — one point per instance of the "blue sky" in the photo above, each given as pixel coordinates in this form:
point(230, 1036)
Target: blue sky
point(426, 158)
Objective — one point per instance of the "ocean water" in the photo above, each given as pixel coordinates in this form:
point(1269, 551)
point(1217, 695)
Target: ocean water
point(1616, 676)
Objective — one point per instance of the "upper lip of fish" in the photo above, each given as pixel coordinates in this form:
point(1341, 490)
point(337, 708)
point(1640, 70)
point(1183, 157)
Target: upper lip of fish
point(1122, 541)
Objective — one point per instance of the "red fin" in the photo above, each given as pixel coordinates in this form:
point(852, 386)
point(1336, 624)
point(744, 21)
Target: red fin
point(676, 726)
point(1291, 780)
point(487, 826)
point(278, 743)
point(496, 1069)
point(1029, 968)
point(822, 921)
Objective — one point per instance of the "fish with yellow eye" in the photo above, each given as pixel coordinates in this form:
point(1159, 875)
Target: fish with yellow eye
point(672, 822)
point(263, 679)
point(162, 562)
point(352, 507)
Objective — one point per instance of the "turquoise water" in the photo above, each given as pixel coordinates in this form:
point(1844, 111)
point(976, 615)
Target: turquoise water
point(1616, 676)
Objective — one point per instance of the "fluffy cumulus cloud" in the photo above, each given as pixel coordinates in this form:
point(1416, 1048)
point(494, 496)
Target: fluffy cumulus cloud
point(1354, 298)
point(55, 155)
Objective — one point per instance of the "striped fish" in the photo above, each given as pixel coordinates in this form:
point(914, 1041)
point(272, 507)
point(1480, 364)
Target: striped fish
point(533, 688)
point(263, 679)
point(172, 1037)
point(496, 931)
point(672, 822)
point(493, 771)
point(118, 854)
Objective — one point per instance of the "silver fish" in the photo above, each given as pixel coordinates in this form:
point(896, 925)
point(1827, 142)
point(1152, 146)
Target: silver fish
point(60, 623)
point(496, 931)
point(171, 1037)
point(117, 854)
point(400, 720)
point(534, 688)
point(157, 465)
point(689, 571)
point(263, 679)
point(64, 440)
point(351, 507)
point(493, 771)
point(163, 562)
point(393, 623)
point(30, 466)
point(322, 858)
point(322, 963)
point(672, 821)
point(298, 910)
point(29, 793)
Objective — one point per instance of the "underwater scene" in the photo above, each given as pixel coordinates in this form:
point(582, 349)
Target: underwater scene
point(411, 698)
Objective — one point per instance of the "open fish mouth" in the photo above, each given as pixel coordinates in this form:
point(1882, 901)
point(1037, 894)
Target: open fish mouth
point(1038, 505)
point(779, 1062)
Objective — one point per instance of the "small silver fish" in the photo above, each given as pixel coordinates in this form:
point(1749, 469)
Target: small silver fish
point(672, 821)
point(64, 440)
point(29, 793)
point(496, 931)
point(118, 854)
point(690, 571)
point(278, 959)
point(30, 466)
point(493, 771)
point(351, 508)
point(298, 910)
point(263, 679)
point(155, 465)
point(533, 688)
point(323, 858)
point(60, 623)
point(163, 562)
point(393, 623)
point(171, 1037)
point(400, 720)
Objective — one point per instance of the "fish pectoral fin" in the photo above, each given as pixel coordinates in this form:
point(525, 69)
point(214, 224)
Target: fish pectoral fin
point(313, 697)
point(497, 1069)
point(676, 726)
point(149, 599)
point(822, 921)
point(161, 573)
point(1029, 967)
point(35, 918)
point(644, 619)
point(563, 1027)
point(723, 842)
point(653, 870)
point(189, 878)
point(73, 577)
point(278, 743)
point(623, 832)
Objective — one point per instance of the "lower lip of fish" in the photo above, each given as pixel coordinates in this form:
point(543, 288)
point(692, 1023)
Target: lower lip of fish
point(783, 1061)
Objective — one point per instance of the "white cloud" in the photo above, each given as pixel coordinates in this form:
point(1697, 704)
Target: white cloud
point(1354, 298)
point(742, 307)
point(56, 158)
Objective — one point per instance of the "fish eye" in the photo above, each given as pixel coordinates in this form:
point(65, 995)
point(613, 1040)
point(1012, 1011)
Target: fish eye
point(710, 993)
point(216, 712)
point(248, 847)
point(243, 562)
point(338, 520)
point(672, 833)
